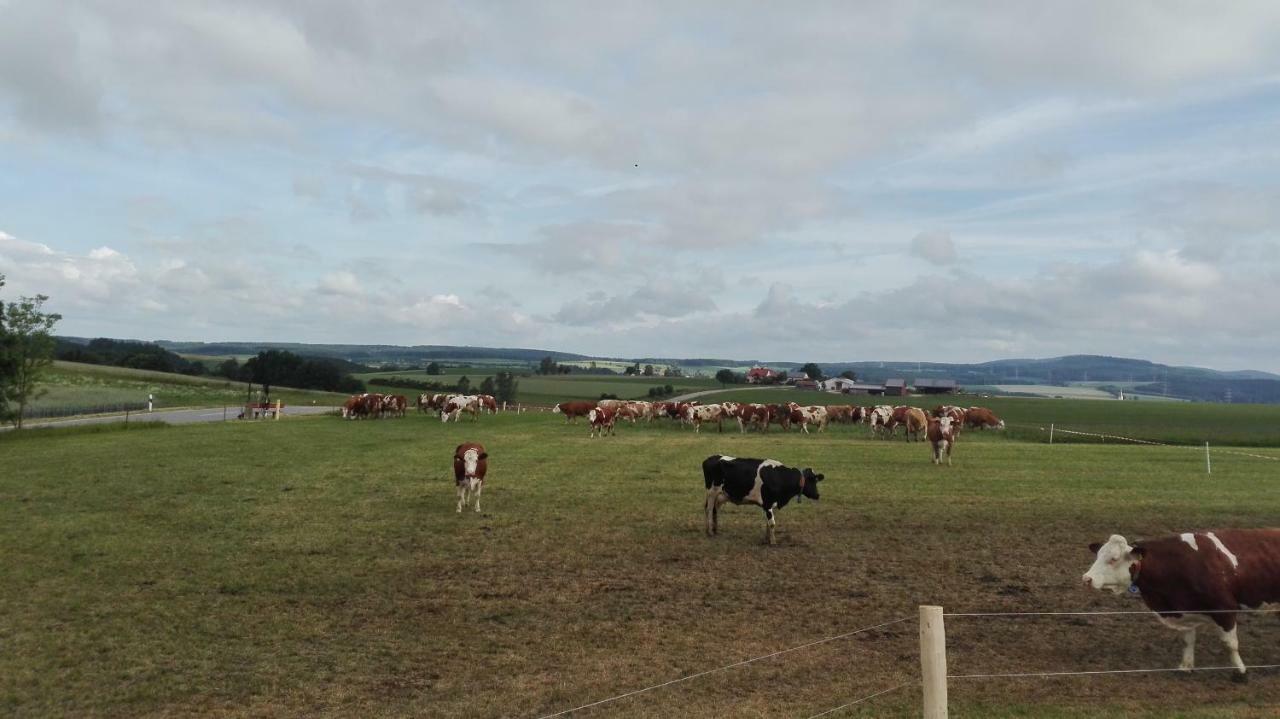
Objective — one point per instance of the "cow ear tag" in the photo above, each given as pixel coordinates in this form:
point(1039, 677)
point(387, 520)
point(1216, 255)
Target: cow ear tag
point(1133, 589)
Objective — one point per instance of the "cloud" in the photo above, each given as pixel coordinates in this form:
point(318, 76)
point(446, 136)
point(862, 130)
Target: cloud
point(665, 300)
point(935, 247)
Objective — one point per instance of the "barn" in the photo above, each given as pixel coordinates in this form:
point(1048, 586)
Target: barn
point(936, 386)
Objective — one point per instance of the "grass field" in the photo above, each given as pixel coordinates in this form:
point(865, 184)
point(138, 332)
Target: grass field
point(85, 388)
point(317, 567)
point(1029, 418)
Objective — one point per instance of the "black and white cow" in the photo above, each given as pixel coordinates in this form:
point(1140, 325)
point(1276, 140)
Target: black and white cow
point(765, 483)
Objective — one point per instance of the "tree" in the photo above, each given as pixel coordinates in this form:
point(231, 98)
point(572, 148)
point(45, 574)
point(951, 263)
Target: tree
point(648, 370)
point(464, 384)
point(229, 368)
point(547, 366)
point(814, 371)
point(487, 386)
point(629, 371)
point(507, 385)
point(433, 368)
point(26, 351)
point(850, 375)
point(726, 376)
point(271, 367)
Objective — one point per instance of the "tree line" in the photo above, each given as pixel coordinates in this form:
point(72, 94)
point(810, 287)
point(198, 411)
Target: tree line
point(26, 351)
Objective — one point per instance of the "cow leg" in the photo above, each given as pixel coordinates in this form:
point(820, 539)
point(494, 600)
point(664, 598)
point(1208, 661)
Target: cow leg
point(462, 495)
point(479, 485)
point(1230, 639)
point(712, 507)
point(949, 445)
point(769, 537)
point(1188, 649)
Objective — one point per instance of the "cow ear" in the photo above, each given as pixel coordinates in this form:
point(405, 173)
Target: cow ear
point(1138, 552)
point(484, 455)
point(1095, 547)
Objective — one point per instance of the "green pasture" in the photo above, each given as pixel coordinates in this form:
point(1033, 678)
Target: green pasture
point(1029, 418)
point(314, 567)
point(87, 389)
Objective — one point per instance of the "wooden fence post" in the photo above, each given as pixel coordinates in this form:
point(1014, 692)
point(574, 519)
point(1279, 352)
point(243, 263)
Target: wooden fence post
point(1050, 433)
point(277, 409)
point(1208, 466)
point(933, 662)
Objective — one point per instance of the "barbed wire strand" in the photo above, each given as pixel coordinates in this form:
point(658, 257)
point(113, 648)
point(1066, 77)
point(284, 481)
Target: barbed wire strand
point(859, 701)
point(1238, 453)
point(744, 662)
point(1103, 671)
point(1104, 613)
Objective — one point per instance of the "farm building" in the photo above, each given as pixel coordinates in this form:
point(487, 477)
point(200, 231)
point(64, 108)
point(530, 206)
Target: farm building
point(762, 375)
point(805, 384)
point(936, 386)
point(796, 376)
point(836, 384)
point(860, 388)
point(895, 388)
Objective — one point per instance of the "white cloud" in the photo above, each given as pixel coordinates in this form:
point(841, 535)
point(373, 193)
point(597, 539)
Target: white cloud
point(936, 247)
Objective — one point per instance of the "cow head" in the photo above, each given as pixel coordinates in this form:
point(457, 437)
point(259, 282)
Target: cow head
point(944, 423)
point(1115, 566)
point(810, 486)
point(470, 459)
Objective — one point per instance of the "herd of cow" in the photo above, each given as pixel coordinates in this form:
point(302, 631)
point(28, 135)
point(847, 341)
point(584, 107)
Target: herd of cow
point(449, 406)
point(1188, 580)
point(941, 427)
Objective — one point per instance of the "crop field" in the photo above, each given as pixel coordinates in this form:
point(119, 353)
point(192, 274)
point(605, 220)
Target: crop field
point(1186, 423)
point(317, 566)
point(73, 387)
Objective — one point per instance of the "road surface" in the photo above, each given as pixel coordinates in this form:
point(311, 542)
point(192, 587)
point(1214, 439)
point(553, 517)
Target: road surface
point(175, 416)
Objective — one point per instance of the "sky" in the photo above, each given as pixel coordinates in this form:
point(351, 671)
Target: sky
point(915, 181)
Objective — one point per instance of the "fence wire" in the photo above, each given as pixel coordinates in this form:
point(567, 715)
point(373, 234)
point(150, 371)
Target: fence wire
point(744, 662)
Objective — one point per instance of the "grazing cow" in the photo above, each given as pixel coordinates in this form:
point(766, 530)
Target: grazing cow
point(488, 403)
point(781, 415)
point(470, 462)
point(349, 407)
point(573, 410)
point(708, 413)
point(631, 411)
point(916, 424)
point(424, 402)
point(612, 404)
point(1194, 578)
point(601, 419)
point(679, 410)
point(757, 414)
point(455, 406)
point(394, 405)
point(982, 418)
point(765, 483)
point(942, 438)
point(805, 416)
point(879, 418)
point(841, 413)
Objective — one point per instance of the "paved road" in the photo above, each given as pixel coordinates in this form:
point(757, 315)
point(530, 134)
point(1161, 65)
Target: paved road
point(175, 416)
point(695, 395)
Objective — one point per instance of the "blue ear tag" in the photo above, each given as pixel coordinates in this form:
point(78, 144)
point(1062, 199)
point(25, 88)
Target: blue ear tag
point(1133, 589)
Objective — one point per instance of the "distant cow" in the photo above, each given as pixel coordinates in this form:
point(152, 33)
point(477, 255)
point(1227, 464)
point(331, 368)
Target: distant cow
point(470, 462)
point(488, 403)
point(394, 405)
point(1194, 578)
point(749, 414)
point(805, 416)
point(982, 418)
point(696, 415)
point(917, 423)
point(879, 418)
point(573, 410)
point(455, 406)
point(781, 415)
point(942, 438)
point(766, 483)
point(841, 413)
point(602, 419)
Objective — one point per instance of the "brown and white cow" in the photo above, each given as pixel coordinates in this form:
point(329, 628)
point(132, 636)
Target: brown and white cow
point(602, 420)
point(573, 410)
point(470, 462)
point(982, 418)
point(455, 406)
point(1194, 578)
point(917, 423)
point(394, 405)
point(753, 414)
point(805, 416)
point(843, 413)
point(955, 413)
point(879, 418)
point(697, 414)
point(942, 437)
point(488, 403)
